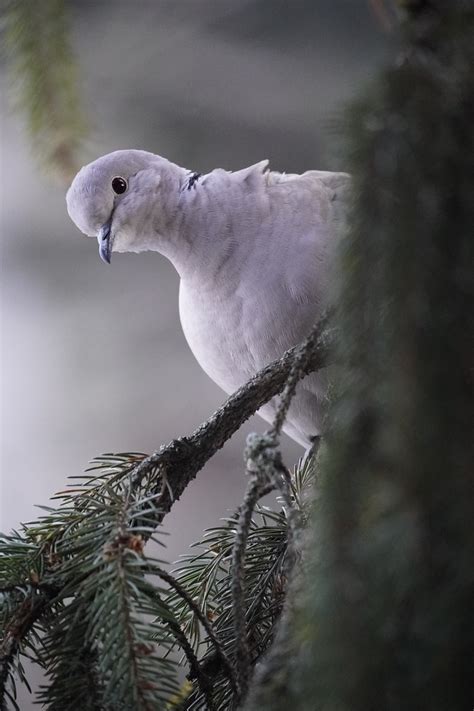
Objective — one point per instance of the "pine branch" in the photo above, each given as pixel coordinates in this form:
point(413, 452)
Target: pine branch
point(15, 631)
point(22, 602)
point(176, 464)
point(96, 571)
point(242, 656)
point(70, 662)
point(123, 610)
point(85, 560)
point(46, 81)
point(266, 471)
point(208, 577)
point(195, 671)
point(195, 609)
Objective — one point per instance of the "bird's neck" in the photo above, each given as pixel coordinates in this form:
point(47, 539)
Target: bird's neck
point(212, 211)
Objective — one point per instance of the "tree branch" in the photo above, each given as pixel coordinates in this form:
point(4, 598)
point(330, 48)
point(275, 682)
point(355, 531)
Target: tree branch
point(16, 630)
point(192, 604)
point(170, 469)
point(177, 463)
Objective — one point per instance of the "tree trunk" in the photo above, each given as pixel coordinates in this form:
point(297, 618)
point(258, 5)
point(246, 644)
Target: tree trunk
point(385, 618)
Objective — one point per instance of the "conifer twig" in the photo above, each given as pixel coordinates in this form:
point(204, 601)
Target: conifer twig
point(195, 669)
point(219, 651)
point(265, 467)
point(302, 358)
point(17, 630)
point(242, 654)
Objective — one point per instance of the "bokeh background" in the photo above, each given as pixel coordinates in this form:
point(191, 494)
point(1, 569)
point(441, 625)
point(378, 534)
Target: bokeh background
point(92, 357)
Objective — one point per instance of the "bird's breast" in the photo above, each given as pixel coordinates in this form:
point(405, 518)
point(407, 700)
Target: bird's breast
point(214, 327)
point(234, 333)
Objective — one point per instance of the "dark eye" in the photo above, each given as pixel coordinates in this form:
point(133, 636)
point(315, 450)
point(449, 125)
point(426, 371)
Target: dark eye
point(119, 185)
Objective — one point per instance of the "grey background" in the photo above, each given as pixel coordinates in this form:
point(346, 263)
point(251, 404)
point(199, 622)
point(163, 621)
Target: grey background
point(92, 357)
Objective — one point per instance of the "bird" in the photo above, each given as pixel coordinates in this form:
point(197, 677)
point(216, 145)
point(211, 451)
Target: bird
point(253, 249)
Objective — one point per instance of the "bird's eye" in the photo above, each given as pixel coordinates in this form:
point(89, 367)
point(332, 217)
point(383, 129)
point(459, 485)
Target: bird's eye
point(119, 185)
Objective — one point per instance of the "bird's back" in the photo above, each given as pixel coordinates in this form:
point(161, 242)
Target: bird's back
point(272, 286)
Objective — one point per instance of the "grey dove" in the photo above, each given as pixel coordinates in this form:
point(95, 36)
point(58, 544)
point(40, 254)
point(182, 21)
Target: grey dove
point(252, 249)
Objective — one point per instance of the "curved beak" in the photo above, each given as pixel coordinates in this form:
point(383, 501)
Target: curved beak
point(103, 238)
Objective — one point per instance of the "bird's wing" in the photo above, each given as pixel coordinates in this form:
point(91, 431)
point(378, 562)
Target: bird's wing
point(317, 203)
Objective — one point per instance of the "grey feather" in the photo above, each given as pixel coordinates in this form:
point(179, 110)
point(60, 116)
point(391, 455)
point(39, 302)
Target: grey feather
point(253, 250)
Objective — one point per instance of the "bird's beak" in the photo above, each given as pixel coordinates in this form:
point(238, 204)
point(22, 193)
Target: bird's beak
point(103, 238)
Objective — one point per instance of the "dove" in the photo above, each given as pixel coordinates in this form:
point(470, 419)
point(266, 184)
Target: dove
point(252, 248)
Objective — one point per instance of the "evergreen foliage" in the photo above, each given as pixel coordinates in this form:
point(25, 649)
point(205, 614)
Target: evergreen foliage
point(77, 590)
point(81, 598)
point(78, 587)
point(208, 575)
point(46, 83)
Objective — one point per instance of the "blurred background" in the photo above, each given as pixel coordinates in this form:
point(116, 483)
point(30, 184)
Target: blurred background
point(92, 356)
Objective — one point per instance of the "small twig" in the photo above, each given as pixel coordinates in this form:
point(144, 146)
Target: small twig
point(297, 372)
point(293, 517)
point(242, 654)
point(267, 471)
point(17, 629)
point(301, 358)
point(196, 671)
point(219, 650)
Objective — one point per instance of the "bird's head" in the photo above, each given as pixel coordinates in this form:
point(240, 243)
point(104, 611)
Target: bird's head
point(117, 199)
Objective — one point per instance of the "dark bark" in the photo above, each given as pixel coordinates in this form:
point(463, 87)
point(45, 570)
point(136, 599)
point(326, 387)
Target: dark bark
point(180, 461)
